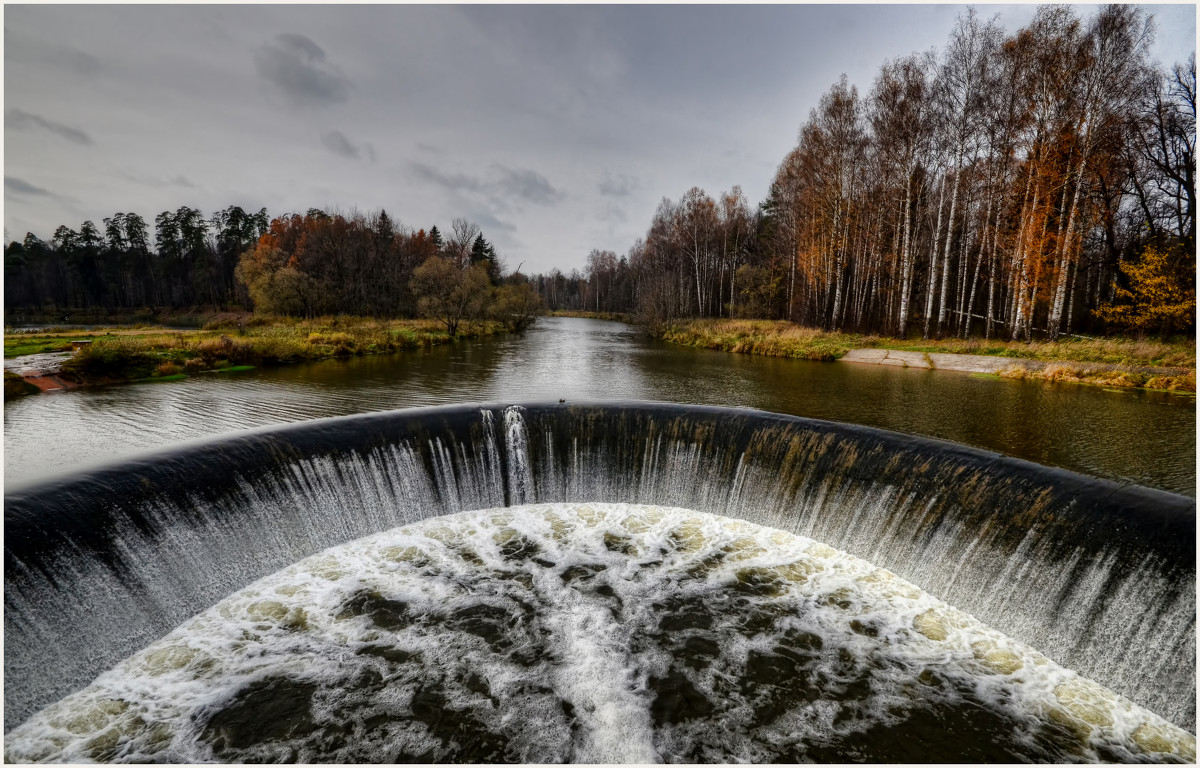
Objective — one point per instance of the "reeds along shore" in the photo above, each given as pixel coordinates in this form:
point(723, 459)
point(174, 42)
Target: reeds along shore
point(129, 355)
point(1075, 360)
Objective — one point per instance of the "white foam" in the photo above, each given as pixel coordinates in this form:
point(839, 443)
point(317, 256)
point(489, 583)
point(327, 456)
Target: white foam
point(553, 628)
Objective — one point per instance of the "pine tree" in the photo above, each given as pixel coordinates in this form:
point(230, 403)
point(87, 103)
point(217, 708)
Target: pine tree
point(479, 250)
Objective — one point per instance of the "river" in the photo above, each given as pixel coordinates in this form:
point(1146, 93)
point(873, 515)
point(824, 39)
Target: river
point(1135, 436)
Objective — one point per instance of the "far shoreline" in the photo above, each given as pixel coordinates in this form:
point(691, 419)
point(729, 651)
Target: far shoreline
point(129, 353)
point(233, 342)
point(1111, 363)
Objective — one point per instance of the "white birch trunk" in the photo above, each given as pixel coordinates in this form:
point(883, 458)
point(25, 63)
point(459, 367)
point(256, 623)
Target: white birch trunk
point(933, 260)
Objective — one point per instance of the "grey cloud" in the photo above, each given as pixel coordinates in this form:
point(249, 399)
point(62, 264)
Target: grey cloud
point(22, 187)
point(489, 223)
point(51, 55)
point(456, 182)
point(78, 61)
point(178, 180)
point(469, 203)
point(506, 183)
point(611, 212)
point(297, 68)
point(619, 186)
point(302, 45)
point(336, 142)
point(20, 120)
point(528, 185)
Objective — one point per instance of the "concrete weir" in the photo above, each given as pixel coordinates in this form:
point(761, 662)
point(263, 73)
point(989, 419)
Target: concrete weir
point(1098, 576)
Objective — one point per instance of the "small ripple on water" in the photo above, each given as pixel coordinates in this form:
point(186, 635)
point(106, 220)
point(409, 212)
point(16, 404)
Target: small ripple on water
point(590, 633)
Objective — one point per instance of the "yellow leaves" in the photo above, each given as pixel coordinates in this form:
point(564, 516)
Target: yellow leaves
point(1156, 297)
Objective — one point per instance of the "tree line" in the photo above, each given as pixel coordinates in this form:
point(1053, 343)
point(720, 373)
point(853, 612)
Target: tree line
point(303, 265)
point(1042, 181)
point(187, 260)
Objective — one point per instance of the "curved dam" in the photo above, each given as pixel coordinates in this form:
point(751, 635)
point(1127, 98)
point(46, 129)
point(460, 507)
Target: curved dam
point(1097, 576)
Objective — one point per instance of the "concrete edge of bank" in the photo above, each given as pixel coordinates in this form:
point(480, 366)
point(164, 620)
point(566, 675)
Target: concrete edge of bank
point(945, 361)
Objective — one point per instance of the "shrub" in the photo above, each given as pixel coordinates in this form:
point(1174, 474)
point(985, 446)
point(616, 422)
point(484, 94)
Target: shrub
point(114, 356)
point(229, 321)
point(225, 348)
point(166, 369)
point(15, 386)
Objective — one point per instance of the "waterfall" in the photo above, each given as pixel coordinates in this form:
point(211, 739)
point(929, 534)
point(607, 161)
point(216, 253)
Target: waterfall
point(516, 441)
point(1098, 576)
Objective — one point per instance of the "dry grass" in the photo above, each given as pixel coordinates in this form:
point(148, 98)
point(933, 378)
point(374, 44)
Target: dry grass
point(1114, 379)
point(619, 317)
point(1117, 351)
point(774, 338)
point(139, 355)
point(784, 339)
point(780, 338)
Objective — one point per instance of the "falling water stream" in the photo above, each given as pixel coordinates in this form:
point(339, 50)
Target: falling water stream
point(593, 633)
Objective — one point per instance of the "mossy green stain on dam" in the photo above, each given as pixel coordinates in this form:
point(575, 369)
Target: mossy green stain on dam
point(1099, 577)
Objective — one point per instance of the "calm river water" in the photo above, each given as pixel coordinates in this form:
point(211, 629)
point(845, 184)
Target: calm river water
point(1142, 437)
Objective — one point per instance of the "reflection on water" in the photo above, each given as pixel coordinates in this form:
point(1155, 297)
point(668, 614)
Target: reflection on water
point(1142, 437)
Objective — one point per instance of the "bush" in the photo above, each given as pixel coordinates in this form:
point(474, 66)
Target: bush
point(15, 386)
point(167, 369)
point(114, 356)
point(230, 321)
point(225, 348)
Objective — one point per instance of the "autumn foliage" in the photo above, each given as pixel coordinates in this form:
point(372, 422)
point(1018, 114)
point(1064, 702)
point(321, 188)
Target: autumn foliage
point(1155, 299)
point(318, 264)
point(1008, 186)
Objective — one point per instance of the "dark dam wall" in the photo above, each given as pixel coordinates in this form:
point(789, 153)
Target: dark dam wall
point(1098, 576)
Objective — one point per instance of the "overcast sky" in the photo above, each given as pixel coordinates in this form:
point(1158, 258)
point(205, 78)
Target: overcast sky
point(556, 128)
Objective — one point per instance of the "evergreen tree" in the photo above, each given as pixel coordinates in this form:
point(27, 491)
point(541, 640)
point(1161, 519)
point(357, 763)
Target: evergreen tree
point(483, 253)
point(479, 250)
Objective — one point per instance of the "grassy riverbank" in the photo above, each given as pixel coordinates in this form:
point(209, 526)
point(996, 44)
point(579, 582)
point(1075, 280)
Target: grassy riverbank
point(619, 317)
point(231, 342)
point(1080, 360)
point(195, 317)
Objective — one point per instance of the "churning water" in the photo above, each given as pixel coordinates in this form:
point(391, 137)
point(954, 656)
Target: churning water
point(593, 633)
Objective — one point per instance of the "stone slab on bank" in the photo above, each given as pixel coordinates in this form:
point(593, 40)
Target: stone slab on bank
point(981, 363)
point(939, 360)
point(945, 361)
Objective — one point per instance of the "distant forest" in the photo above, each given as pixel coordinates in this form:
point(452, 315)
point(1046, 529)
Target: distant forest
point(1038, 182)
point(304, 265)
point(1010, 185)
